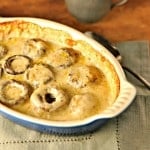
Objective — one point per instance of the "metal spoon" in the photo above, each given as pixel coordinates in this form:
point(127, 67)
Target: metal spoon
point(116, 53)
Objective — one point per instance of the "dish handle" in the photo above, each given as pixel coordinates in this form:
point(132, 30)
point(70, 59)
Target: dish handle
point(124, 99)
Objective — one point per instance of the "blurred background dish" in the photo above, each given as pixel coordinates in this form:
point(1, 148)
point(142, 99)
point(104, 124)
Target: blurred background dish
point(92, 10)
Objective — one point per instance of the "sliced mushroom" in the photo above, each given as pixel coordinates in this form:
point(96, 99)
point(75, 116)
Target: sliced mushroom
point(63, 57)
point(17, 64)
point(34, 48)
point(3, 51)
point(82, 104)
point(49, 98)
point(1, 71)
point(80, 76)
point(13, 92)
point(39, 74)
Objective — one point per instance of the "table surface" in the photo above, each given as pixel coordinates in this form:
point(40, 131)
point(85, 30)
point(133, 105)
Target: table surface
point(127, 22)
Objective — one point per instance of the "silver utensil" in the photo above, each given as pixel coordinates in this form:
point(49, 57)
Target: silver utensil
point(116, 53)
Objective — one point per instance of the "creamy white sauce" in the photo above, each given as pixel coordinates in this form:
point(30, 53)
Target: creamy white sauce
point(99, 88)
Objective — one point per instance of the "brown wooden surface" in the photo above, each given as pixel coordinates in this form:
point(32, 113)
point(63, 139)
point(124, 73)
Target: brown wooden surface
point(128, 22)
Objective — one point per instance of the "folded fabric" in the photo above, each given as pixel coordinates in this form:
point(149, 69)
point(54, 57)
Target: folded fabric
point(128, 131)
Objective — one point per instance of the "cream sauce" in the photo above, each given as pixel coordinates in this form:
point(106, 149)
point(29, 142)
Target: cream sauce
point(99, 88)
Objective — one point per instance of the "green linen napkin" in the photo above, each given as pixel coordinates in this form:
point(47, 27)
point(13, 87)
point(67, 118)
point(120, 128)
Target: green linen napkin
point(128, 131)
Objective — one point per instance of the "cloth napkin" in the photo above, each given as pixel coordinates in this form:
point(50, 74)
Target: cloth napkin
point(129, 131)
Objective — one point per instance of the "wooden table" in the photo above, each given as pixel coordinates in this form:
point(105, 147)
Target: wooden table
point(128, 22)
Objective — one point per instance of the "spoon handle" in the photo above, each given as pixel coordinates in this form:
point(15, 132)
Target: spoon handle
point(105, 43)
point(117, 55)
point(138, 76)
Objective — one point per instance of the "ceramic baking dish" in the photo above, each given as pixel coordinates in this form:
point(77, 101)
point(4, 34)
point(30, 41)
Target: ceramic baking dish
point(126, 95)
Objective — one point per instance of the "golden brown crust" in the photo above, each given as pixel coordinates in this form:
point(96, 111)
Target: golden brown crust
point(29, 30)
